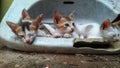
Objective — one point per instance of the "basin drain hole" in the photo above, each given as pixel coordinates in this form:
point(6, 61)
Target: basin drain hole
point(68, 2)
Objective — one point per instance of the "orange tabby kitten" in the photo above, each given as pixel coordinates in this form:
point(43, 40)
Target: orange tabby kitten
point(64, 25)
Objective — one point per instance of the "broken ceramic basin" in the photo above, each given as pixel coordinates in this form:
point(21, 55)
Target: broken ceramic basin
point(85, 10)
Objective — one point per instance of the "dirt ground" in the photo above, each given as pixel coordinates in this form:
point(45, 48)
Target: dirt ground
point(16, 59)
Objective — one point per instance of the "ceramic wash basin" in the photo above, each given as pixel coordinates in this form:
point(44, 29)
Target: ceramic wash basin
point(90, 10)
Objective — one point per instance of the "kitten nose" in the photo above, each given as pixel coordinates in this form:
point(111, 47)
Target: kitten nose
point(28, 41)
point(72, 29)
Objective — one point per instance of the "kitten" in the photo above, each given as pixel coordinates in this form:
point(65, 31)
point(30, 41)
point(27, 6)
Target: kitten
point(64, 25)
point(109, 32)
point(94, 30)
point(27, 29)
point(88, 30)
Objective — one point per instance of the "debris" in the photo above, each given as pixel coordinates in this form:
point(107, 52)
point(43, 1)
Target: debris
point(47, 66)
point(16, 65)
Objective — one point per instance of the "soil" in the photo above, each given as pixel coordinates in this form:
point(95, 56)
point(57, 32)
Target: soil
point(16, 59)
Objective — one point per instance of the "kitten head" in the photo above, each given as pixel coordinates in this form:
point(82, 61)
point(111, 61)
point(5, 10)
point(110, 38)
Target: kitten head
point(64, 24)
point(109, 32)
point(27, 30)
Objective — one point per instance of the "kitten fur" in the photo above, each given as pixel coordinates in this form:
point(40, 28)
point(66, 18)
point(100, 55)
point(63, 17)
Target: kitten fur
point(64, 25)
point(27, 29)
point(109, 32)
point(94, 30)
point(88, 30)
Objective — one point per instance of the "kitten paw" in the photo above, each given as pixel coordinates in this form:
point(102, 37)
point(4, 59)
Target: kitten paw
point(57, 35)
point(67, 35)
point(48, 35)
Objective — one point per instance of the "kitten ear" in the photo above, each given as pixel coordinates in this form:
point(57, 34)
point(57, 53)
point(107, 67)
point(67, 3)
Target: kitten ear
point(57, 17)
point(37, 21)
point(106, 24)
point(13, 26)
point(71, 15)
point(116, 19)
point(25, 14)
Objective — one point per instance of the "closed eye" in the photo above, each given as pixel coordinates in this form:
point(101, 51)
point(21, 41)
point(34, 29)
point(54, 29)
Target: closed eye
point(31, 34)
point(21, 36)
point(114, 35)
point(118, 34)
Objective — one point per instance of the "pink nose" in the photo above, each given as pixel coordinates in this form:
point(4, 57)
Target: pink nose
point(28, 41)
point(72, 29)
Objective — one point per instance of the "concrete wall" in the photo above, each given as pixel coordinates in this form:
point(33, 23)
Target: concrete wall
point(4, 5)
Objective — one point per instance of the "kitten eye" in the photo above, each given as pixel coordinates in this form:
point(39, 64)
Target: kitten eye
point(118, 34)
point(67, 25)
point(73, 24)
point(21, 36)
point(31, 34)
point(114, 35)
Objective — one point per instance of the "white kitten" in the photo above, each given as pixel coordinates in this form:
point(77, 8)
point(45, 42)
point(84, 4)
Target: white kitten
point(88, 30)
point(94, 30)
